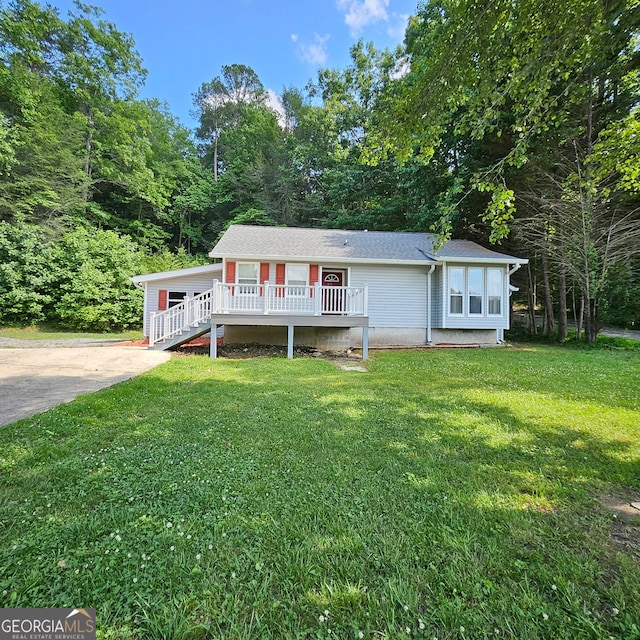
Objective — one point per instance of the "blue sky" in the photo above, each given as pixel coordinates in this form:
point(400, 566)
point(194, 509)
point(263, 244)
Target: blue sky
point(186, 42)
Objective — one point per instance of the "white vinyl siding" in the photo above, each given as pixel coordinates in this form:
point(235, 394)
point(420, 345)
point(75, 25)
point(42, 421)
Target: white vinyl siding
point(436, 298)
point(397, 295)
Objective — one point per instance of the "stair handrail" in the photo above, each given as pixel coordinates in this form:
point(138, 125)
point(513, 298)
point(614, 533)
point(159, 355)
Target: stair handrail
point(171, 322)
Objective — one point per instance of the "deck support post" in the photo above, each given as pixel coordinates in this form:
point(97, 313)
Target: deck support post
point(290, 341)
point(213, 347)
point(365, 343)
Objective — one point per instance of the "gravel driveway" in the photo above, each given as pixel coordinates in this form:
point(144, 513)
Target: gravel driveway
point(38, 375)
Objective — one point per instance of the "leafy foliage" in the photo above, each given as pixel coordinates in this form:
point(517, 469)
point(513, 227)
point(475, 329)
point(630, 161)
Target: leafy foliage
point(451, 133)
point(92, 273)
point(26, 277)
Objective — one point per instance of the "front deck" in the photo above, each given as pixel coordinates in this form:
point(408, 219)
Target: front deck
point(266, 304)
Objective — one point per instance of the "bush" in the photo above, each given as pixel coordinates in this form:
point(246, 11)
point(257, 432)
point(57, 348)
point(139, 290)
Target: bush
point(26, 277)
point(93, 268)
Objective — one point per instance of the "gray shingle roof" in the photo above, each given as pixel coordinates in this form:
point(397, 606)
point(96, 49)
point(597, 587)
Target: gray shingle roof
point(254, 242)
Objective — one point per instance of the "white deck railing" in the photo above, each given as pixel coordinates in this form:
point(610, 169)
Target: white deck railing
point(257, 299)
point(290, 299)
point(191, 312)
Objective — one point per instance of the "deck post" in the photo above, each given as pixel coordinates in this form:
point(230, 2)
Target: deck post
point(213, 347)
point(290, 341)
point(152, 328)
point(215, 302)
point(365, 343)
point(265, 293)
point(317, 292)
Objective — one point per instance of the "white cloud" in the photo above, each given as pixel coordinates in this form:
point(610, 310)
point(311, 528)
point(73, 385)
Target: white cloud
point(398, 25)
point(315, 52)
point(361, 13)
point(275, 104)
point(294, 37)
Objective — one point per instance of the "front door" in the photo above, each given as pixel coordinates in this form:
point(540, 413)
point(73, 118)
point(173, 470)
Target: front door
point(333, 296)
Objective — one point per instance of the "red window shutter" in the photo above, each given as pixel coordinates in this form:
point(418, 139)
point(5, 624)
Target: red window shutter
point(231, 272)
point(162, 300)
point(264, 272)
point(313, 276)
point(280, 275)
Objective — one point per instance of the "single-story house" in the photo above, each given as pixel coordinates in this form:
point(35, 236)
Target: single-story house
point(335, 289)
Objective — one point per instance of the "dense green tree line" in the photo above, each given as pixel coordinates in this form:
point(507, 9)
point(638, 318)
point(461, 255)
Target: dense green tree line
point(504, 122)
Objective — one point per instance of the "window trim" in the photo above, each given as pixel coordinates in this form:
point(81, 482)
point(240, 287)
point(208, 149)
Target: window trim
point(500, 296)
point(244, 287)
point(461, 295)
point(288, 287)
point(466, 296)
point(473, 314)
point(173, 301)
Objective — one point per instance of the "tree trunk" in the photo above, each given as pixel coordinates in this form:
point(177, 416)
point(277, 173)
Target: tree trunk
point(87, 163)
point(562, 303)
point(549, 322)
point(591, 326)
point(215, 159)
point(580, 320)
point(531, 294)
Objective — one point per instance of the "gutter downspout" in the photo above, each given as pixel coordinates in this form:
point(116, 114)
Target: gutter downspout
point(515, 268)
point(431, 270)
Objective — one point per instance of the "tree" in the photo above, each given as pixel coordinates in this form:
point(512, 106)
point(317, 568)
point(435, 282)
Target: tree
point(517, 81)
point(26, 283)
point(99, 67)
point(220, 103)
point(516, 71)
point(92, 271)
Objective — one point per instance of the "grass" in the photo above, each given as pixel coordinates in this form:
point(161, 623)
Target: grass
point(518, 333)
point(44, 332)
point(448, 494)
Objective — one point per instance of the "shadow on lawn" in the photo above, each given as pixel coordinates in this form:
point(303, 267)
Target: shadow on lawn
point(353, 489)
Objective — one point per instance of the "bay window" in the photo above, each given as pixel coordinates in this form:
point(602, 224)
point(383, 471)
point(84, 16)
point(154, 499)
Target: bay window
point(475, 291)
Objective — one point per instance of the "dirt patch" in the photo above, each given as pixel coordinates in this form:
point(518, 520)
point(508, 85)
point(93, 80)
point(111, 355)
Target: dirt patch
point(244, 351)
point(625, 529)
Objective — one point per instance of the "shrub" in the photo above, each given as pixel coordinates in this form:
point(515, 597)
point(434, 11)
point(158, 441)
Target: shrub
point(26, 277)
point(93, 268)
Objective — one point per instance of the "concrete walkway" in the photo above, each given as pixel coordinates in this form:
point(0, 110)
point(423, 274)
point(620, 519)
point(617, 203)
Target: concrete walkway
point(36, 378)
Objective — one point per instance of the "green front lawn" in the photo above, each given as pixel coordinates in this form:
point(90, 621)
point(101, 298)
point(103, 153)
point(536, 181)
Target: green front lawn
point(448, 494)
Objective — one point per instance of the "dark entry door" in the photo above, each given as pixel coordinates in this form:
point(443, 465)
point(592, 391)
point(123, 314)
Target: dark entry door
point(333, 296)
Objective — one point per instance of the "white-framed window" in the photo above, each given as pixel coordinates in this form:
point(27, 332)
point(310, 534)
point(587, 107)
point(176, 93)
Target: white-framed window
point(247, 274)
point(456, 290)
point(297, 279)
point(494, 292)
point(175, 297)
point(476, 290)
